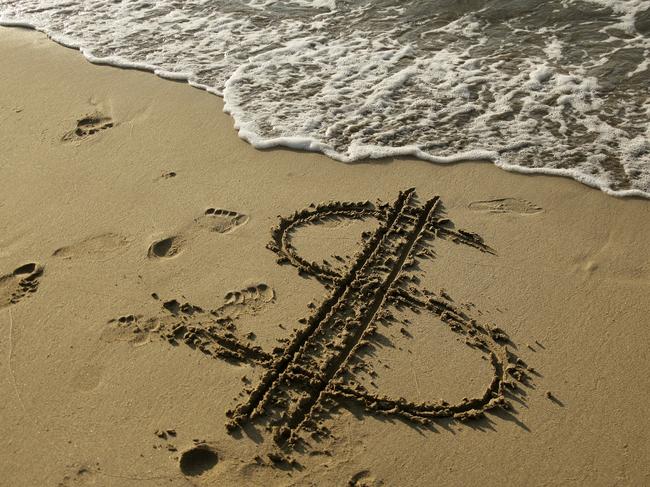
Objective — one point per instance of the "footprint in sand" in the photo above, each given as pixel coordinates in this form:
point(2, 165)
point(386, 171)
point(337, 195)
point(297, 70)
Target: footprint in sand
point(221, 221)
point(165, 175)
point(214, 331)
point(364, 479)
point(130, 328)
point(166, 247)
point(252, 298)
point(105, 243)
point(505, 205)
point(87, 377)
point(89, 125)
point(197, 460)
point(248, 300)
point(168, 175)
point(213, 219)
point(79, 475)
point(261, 292)
point(19, 284)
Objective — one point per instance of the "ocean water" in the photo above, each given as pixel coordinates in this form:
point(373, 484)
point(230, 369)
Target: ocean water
point(557, 86)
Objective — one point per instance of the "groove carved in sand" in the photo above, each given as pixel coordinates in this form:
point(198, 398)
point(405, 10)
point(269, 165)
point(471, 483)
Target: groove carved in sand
point(306, 378)
point(308, 375)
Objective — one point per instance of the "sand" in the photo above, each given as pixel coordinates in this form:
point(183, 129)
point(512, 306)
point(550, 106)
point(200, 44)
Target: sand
point(482, 328)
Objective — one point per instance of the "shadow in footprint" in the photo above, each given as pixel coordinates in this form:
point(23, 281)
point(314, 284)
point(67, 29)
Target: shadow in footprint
point(364, 479)
point(258, 292)
point(166, 248)
point(19, 284)
point(198, 460)
point(89, 125)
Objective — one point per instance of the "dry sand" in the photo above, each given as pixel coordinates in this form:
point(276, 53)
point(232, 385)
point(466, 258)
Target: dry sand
point(125, 196)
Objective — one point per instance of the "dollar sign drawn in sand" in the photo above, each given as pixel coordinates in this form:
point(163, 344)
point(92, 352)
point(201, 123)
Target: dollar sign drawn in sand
point(311, 370)
point(309, 375)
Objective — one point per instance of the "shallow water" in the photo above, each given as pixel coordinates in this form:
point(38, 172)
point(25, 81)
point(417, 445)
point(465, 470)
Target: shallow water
point(557, 87)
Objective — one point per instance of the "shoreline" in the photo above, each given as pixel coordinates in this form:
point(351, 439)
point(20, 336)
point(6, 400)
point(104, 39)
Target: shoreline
point(310, 145)
point(128, 193)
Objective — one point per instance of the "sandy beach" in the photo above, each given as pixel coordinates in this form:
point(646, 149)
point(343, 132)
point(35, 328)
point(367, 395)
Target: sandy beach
point(161, 281)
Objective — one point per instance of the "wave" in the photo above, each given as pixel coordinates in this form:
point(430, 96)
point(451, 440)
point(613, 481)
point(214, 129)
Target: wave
point(557, 87)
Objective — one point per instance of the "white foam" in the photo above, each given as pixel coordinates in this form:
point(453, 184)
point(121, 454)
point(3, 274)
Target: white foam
point(343, 79)
point(628, 9)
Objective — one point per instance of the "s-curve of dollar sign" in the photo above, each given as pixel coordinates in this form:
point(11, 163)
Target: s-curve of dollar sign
point(314, 370)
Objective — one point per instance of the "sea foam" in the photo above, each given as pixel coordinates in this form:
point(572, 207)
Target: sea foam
point(557, 87)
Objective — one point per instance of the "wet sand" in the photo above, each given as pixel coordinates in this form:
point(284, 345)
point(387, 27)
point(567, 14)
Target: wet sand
point(178, 308)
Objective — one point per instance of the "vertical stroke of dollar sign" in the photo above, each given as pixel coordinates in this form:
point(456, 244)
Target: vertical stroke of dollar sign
point(311, 370)
point(305, 377)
